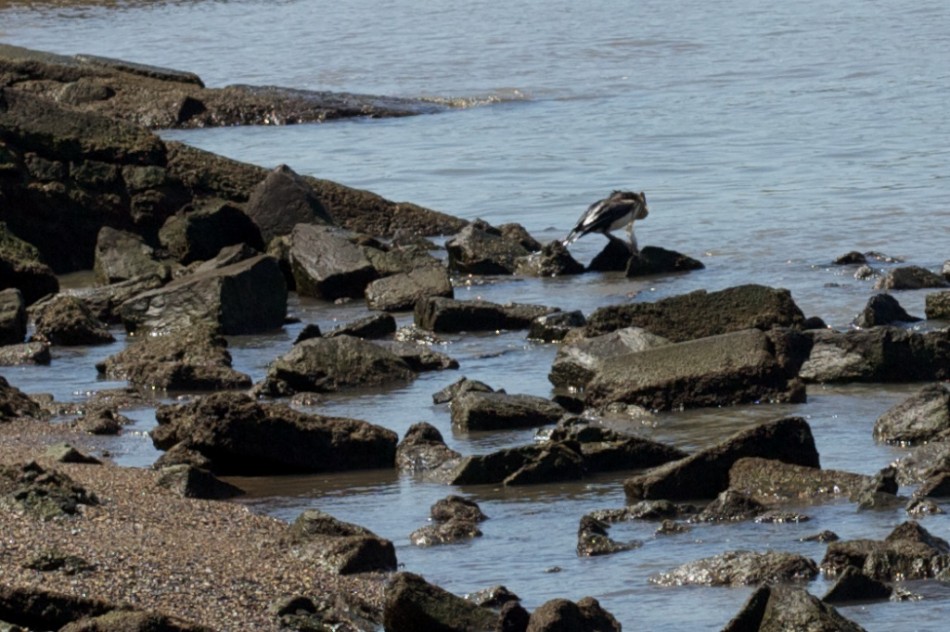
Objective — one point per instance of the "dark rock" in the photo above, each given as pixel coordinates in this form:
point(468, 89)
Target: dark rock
point(880, 354)
point(458, 387)
point(706, 473)
point(368, 327)
point(770, 480)
point(700, 314)
point(780, 608)
point(592, 539)
point(423, 449)
point(814, 322)
point(735, 368)
point(935, 486)
point(192, 482)
point(12, 317)
point(181, 454)
point(480, 248)
point(851, 258)
point(740, 568)
point(554, 327)
point(924, 417)
point(43, 494)
point(38, 609)
point(550, 261)
point(512, 617)
point(730, 506)
point(908, 553)
point(246, 297)
point(325, 365)
point(102, 421)
point(561, 615)
point(655, 260)
point(15, 403)
point(475, 410)
point(937, 305)
point(104, 301)
point(26, 353)
point(606, 450)
point(122, 255)
point(883, 309)
point(392, 259)
point(198, 233)
point(65, 320)
point(56, 561)
point(823, 537)
point(454, 316)
point(494, 597)
point(65, 453)
point(613, 258)
point(421, 358)
point(402, 291)
point(242, 436)
point(326, 264)
point(526, 465)
point(120, 620)
point(195, 359)
point(853, 585)
point(340, 546)
point(880, 492)
point(923, 462)
point(282, 200)
point(576, 363)
point(455, 507)
point(413, 604)
point(449, 532)
point(311, 330)
point(910, 278)
point(643, 510)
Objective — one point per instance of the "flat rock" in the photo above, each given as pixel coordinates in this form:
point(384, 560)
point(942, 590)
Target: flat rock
point(500, 411)
point(448, 315)
point(368, 327)
point(655, 260)
point(771, 480)
point(282, 200)
point(403, 290)
point(576, 363)
point(449, 532)
point(705, 474)
point(192, 482)
point(525, 465)
point(326, 264)
point(606, 450)
point(923, 417)
point(740, 568)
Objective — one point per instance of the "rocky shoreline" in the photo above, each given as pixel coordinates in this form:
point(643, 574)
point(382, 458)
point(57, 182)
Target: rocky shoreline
point(188, 248)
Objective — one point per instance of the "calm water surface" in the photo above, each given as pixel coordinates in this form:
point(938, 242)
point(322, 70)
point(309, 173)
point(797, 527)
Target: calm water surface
point(769, 140)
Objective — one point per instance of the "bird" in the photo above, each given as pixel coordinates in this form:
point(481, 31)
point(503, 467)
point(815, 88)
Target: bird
point(620, 208)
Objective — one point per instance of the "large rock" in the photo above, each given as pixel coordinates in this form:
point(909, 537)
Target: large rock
point(525, 465)
point(282, 200)
point(198, 233)
point(22, 268)
point(700, 314)
point(735, 368)
point(402, 291)
point(910, 278)
point(500, 411)
point(342, 547)
point(576, 363)
point(924, 417)
point(740, 568)
point(655, 260)
point(853, 586)
point(606, 450)
point(324, 365)
point(412, 604)
point(555, 327)
point(909, 552)
point(453, 316)
point(483, 249)
point(883, 309)
point(194, 359)
point(241, 436)
point(777, 608)
point(15, 403)
point(770, 480)
point(246, 297)
point(937, 306)
point(66, 320)
point(706, 473)
point(561, 615)
point(326, 264)
point(25, 353)
point(12, 317)
point(122, 255)
point(880, 354)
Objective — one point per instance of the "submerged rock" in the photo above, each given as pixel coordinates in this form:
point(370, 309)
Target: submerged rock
point(740, 568)
point(771, 480)
point(593, 539)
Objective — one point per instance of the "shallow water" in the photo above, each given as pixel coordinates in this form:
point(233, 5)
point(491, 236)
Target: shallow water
point(769, 140)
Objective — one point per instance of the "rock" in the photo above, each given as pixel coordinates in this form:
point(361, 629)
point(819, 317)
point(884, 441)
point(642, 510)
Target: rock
point(606, 450)
point(655, 260)
point(480, 248)
point(494, 597)
point(455, 507)
point(43, 494)
point(853, 585)
point(326, 264)
point(554, 327)
point(880, 354)
point(246, 297)
point(701, 314)
point(12, 317)
point(191, 482)
point(453, 316)
point(883, 309)
point(199, 232)
point(592, 539)
point(770, 480)
point(121, 620)
point(561, 615)
point(908, 553)
point(735, 368)
point(413, 604)
point(910, 278)
point(705, 474)
point(937, 305)
point(576, 363)
point(21, 268)
point(66, 320)
point(326, 365)
point(923, 462)
point(65, 453)
point(122, 255)
point(774, 608)
point(342, 547)
point(403, 290)
point(102, 421)
point(937, 485)
point(924, 417)
point(458, 387)
point(368, 327)
point(104, 301)
point(15, 403)
point(195, 359)
point(740, 568)
point(242, 436)
point(526, 465)
point(643, 510)
point(26, 353)
point(475, 410)
point(310, 330)
point(823, 536)
point(550, 261)
point(423, 449)
point(450, 532)
point(730, 506)
point(282, 200)
point(613, 258)
point(421, 358)
point(851, 258)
